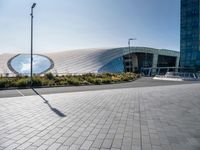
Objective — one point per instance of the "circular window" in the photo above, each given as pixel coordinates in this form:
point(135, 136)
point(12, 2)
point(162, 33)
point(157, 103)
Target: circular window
point(21, 64)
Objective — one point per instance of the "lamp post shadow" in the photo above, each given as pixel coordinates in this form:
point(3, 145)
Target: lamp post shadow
point(56, 111)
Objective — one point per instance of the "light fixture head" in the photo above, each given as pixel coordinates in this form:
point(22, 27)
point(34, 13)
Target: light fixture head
point(132, 39)
point(33, 5)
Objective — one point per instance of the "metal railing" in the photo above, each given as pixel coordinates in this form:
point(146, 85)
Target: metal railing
point(180, 75)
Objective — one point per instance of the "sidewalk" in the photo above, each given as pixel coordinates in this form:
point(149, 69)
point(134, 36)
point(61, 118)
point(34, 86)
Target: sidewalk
point(143, 118)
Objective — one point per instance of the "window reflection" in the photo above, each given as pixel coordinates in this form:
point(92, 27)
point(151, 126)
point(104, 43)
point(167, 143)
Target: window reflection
point(20, 64)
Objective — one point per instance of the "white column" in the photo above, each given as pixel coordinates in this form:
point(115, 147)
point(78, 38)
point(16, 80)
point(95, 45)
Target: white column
point(155, 62)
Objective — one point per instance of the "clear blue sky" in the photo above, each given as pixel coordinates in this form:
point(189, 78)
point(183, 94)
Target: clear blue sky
point(72, 24)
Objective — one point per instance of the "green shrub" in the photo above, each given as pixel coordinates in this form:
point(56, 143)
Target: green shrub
point(58, 80)
point(49, 76)
point(97, 81)
point(37, 81)
point(4, 83)
point(63, 83)
point(86, 82)
point(88, 75)
point(23, 82)
point(116, 78)
point(74, 81)
point(50, 83)
point(89, 79)
point(50, 80)
point(107, 81)
point(45, 82)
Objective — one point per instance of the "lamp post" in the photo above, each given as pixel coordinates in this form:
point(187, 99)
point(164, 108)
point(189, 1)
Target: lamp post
point(129, 42)
point(31, 73)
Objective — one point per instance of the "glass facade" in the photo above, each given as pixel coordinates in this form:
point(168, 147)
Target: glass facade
point(20, 64)
point(115, 66)
point(190, 34)
point(144, 60)
point(166, 61)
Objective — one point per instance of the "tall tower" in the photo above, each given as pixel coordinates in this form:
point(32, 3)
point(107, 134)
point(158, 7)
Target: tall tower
point(190, 34)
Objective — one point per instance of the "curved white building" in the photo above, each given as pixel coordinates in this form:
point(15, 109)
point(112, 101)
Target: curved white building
point(89, 61)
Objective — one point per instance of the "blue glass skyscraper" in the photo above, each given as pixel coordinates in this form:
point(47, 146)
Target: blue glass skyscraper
point(190, 34)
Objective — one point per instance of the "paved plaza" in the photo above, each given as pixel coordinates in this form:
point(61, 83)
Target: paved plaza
point(142, 118)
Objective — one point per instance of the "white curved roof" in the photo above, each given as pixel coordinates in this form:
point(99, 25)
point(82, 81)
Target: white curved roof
point(84, 60)
point(4, 58)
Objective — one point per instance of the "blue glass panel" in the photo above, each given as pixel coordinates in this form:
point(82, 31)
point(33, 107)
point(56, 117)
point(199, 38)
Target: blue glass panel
point(115, 66)
point(20, 64)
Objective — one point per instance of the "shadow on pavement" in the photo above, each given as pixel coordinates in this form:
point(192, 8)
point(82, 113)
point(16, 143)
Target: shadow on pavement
point(56, 111)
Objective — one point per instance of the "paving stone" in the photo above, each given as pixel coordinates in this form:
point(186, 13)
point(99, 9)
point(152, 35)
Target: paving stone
point(42, 147)
point(69, 141)
point(74, 147)
point(80, 140)
point(24, 145)
point(163, 117)
point(38, 142)
point(107, 143)
point(7, 143)
point(86, 145)
point(62, 139)
point(156, 147)
point(135, 147)
point(22, 140)
point(91, 137)
point(54, 146)
point(63, 147)
point(117, 143)
point(12, 146)
point(92, 148)
point(146, 147)
point(49, 141)
point(101, 136)
point(33, 139)
point(115, 149)
point(31, 148)
point(126, 147)
point(97, 143)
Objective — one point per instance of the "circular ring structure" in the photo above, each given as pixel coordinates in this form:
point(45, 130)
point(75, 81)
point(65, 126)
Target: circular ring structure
point(20, 64)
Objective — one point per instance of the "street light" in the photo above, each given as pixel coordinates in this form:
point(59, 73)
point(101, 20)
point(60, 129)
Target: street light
point(129, 42)
point(34, 4)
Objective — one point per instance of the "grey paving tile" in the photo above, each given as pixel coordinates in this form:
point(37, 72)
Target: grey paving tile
point(97, 143)
point(115, 149)
point(126, 147)
point(91, 137)
point(49, 141)
point(38, 142)
point(7, 143)
point(117, 143)
point(33, 139)
point(146, 147)
point(12, 146)
point(31, 148)
point(92, 148)
point(107, 143)
point(24, 145)
point(135, 147)
point(69, 141)
point(63, 147)
point(74, 147)
point(22, 140)
point(80, 140)
point(54, 146)
point(86, 145)
point(42, 147)
point(168, 117)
